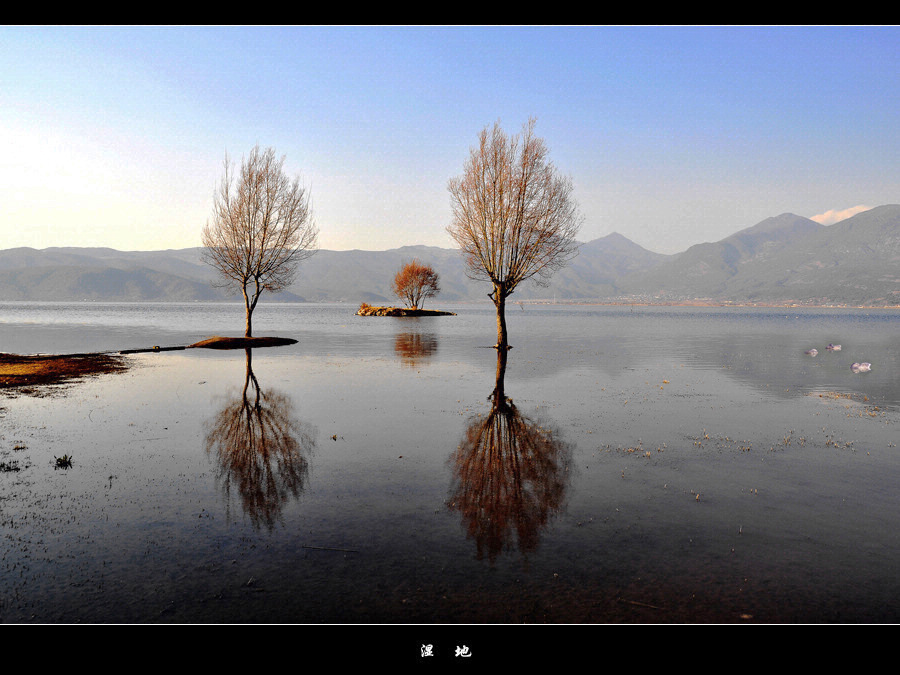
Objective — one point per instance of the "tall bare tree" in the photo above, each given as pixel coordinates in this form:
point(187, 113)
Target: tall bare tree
point(416, 281)
point(261, 228)
point(514, 216)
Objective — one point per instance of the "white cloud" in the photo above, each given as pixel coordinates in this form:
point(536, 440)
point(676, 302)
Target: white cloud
point(831, 217)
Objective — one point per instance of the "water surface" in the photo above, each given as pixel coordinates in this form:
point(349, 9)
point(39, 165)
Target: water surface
point(623, 465)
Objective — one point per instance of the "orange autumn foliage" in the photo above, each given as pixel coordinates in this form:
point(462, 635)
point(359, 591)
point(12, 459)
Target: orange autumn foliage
point(414, 282)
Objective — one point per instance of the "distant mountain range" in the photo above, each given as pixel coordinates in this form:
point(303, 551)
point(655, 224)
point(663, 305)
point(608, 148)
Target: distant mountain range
point(783, 259)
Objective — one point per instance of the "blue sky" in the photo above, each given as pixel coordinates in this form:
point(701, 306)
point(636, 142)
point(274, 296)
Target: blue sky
point(115, 136)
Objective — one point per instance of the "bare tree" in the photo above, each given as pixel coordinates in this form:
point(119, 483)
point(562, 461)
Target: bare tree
point(514, 217)
point(416, 281)
point(261, 228)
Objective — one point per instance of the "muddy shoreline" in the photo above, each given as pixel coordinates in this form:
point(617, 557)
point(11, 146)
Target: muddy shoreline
point(22, 371)
point(18, 371)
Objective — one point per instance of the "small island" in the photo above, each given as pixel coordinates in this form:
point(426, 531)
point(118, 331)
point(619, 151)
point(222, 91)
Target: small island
point(368, 310)
point(413, 283)
point(219, 342)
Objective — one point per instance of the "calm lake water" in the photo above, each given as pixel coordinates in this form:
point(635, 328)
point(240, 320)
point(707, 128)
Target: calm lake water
point(644, 465)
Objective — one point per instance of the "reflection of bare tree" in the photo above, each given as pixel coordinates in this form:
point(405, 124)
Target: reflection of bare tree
point(261, 450)
point(414, 347)
point(510, 476)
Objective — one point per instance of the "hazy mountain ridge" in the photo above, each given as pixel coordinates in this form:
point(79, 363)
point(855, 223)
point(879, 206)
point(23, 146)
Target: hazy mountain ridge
point(785, 258)
point(788, 258)
point(706, 270)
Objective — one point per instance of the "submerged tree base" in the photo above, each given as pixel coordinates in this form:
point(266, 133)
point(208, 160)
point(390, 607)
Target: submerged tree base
point(366, 310)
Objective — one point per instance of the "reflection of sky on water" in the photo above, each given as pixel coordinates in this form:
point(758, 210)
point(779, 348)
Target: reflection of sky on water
point(657, 408)
point(763, 348)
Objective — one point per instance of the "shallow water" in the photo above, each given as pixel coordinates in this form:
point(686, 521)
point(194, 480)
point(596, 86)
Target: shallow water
point(654, 465)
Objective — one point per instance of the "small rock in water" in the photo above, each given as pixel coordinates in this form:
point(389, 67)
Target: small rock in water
point(811, 352)
point(863, 367)
point(832, 347)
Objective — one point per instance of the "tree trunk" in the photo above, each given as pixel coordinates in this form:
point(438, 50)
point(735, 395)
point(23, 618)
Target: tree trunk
point(248, 327)
point(499, 394)
point(250, 305)
point(499, 298)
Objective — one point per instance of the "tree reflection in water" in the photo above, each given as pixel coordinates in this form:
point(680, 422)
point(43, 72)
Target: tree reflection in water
point(510, 477)
point(412, 348)
point(261, 450)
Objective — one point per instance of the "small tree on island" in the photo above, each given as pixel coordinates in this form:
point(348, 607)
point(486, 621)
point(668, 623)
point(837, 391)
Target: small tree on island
point(261, 228)
point(414, 282)
point(514, 217)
